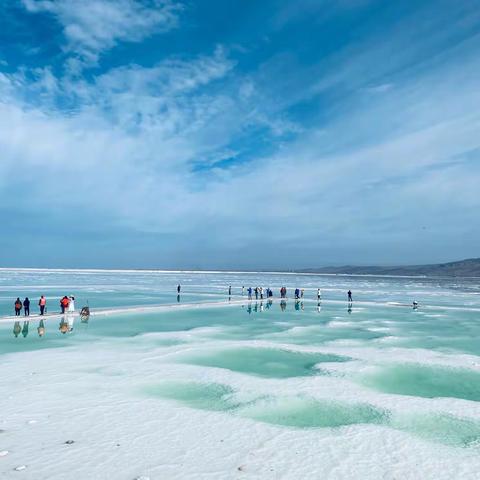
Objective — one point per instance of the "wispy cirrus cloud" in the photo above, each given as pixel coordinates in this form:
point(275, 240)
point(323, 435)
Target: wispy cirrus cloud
point(90, 28)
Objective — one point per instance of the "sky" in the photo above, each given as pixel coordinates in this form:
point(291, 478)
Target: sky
point(238, 134)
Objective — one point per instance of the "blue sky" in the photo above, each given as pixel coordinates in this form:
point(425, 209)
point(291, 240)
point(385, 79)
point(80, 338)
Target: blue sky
point(238, 134)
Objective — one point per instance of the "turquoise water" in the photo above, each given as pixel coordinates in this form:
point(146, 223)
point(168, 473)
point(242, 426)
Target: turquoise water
point(270, 341)
point(302, 412)
point(264, 362)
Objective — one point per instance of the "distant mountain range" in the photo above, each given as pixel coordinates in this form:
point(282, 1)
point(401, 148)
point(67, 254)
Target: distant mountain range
point(463, 268)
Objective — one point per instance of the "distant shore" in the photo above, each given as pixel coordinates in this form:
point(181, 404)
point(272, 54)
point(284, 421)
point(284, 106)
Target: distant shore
point(468, 268)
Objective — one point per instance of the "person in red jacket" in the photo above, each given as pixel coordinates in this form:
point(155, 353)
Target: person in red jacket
point(18, 306)
point(42, 303)
point(64, 302)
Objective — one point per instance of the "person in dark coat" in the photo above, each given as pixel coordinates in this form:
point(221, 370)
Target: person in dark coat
point(26, 307)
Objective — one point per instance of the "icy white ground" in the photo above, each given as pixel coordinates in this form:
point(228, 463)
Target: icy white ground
point(245, 389)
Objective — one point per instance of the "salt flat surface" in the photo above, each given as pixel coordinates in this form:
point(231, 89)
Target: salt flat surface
point(244, 389)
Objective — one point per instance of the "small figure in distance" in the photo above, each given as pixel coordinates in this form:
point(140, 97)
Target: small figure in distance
point(71, 304)
point(302, 291)
point(64, 302)
point(42, 303)
point(319, 294)
point(243, 291)
point(349, 293)
point(229, 290)
point(26, 307)
point(18, 306)
point(178, 289)
point(415, 305)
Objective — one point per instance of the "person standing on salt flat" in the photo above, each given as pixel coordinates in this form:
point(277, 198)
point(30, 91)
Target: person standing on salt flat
point(349, 293)
point(26, 307)
point(18, 306)
point(319, 294)
point(42, 303)
point(178, 289)
point(71, 305)
point(64, 302)
point(229, 290)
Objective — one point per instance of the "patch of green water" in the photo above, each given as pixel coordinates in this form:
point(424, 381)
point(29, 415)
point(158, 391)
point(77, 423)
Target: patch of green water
point(426, 381)
point(305, 412)
point(441, 428)
point(204, 396)
point(264, 362)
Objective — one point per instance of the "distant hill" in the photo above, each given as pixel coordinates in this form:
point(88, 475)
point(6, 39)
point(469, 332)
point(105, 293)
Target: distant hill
point(463, 268)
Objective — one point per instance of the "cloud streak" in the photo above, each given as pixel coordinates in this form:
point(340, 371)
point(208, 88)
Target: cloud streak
point(93, 27)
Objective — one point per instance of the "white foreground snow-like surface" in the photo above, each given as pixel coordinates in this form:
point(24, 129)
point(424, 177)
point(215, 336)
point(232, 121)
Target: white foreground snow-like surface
point(93, 396)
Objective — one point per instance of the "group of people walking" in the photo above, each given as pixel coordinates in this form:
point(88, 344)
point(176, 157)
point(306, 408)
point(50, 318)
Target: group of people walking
point(67, 304)
point(259, 292)
point(262, 293)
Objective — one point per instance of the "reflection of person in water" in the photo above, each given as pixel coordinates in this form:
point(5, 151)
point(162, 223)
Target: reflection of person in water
point(249, 308)
point(41, 329)
point(17, 329)
point(349, 309)
point(70, 320)
point(25, 329)
point(283, 305)
point(178, 298)
point(319, 307)
point(297, 305)
point(63, 326)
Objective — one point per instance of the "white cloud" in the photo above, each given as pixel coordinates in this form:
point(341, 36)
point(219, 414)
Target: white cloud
point(94, 26)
